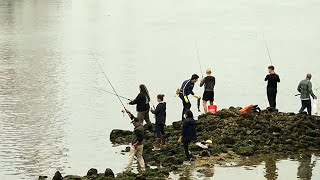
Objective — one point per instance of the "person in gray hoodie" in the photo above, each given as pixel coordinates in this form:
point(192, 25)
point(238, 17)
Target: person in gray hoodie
point(160, 114)
point(208, 82)
point(305, 88)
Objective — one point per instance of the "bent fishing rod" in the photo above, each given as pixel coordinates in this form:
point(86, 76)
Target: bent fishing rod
point(115, 92)
point(265, 42)
point(98, 89)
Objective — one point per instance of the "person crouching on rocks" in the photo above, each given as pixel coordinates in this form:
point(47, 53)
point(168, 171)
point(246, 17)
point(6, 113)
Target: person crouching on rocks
point(160, 113)
point(189, 134)
point(142, 102)
point(136, 144)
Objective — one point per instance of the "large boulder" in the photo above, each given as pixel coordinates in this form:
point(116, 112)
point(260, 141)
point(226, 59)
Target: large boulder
point(118, 136)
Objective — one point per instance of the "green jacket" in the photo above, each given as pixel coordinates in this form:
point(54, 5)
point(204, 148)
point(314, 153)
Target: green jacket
point(305, 88)
point(137, 135)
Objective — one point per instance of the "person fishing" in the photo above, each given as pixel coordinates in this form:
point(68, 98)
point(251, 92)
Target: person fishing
point(208, 82)
point(142, 102)
point(305, 88)
point(272, 87)
point(160, 114)
point(185, 91)
point(136, 147)
point(189, 134)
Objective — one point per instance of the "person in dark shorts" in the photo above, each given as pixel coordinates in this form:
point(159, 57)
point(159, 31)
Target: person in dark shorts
point(208, 82)
point(272, 87)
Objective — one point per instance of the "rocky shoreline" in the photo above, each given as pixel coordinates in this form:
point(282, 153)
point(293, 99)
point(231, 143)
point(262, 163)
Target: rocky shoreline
point(234, 134)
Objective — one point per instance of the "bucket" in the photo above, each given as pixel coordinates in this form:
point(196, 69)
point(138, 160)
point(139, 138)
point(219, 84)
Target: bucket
point(212, 109)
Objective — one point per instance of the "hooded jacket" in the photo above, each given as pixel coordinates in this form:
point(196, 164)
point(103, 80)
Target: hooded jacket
point(160, 113)
point(189, 130)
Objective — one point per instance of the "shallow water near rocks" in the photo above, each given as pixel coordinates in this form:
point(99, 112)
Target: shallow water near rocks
point(52, 117)
point(305, 167)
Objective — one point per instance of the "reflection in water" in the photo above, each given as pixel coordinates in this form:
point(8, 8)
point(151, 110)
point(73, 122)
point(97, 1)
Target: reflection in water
point(305, 168)
point(271, 169)
point(32, 126)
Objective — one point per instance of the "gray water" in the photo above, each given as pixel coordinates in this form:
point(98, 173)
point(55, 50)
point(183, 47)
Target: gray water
point(54, 118)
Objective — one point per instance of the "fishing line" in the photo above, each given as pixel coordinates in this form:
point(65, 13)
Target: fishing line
point(98, 89)
point(199, 58)
point(108, 80)
point(265, 42)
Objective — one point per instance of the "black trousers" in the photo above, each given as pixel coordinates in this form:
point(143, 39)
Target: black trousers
point(186, 150)
point(272, 97)
point(306, 104)
point(186, 105)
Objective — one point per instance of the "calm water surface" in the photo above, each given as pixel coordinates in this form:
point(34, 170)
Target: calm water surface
point(52, 117)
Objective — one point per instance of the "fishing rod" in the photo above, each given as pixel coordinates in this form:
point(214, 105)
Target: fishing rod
point(112, 93)
point(265, 42)
point(109, 81)
point(199, 58)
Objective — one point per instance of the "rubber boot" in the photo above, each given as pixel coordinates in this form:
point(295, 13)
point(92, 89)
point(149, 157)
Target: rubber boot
point(156, 147)
point(163, 140)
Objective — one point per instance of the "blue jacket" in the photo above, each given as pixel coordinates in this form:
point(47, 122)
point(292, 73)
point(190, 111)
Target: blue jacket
point(187, 88)
point(189, 130)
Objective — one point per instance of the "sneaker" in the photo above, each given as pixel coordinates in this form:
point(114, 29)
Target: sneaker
point(187, 163)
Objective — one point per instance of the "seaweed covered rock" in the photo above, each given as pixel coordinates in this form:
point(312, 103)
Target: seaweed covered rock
point(118, 136)
point(246, 134)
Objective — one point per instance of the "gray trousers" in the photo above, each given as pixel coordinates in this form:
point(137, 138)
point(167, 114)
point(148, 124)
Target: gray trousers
point(144, 115)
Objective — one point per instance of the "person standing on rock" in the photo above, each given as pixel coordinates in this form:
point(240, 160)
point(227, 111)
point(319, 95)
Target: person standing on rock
point(189, 134)
point(160, 113)
point(209, 82)
point(136, 143)
point(185, 90)
point(142, 102)
point(272, 87)
point(305, 88)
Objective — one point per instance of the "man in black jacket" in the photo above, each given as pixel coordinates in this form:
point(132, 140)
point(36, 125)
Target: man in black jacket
point(136, 144)
point(142, 102)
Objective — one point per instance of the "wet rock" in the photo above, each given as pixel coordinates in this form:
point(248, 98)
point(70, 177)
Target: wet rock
point(57, 176)
point(92, 172)
point(118, 136)
point(205, 154)
point(177, 125)
point(109, 173)
point(73, 178)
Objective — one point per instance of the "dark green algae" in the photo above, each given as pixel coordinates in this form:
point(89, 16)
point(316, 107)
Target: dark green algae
point(232, 132)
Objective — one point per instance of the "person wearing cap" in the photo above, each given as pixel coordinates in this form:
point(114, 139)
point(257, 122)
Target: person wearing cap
point(136, 144)
point(208, 82)
point(305, 88)
point(185, 91)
